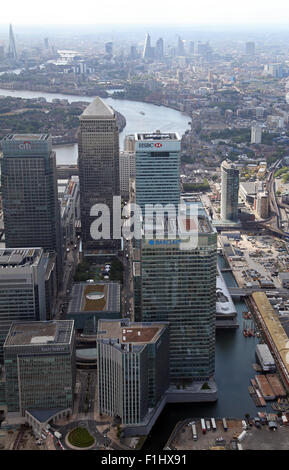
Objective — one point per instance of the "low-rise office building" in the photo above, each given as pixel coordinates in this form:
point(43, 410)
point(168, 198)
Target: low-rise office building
point(133, 371)
point(90, 302)
point(39, 361)
point(23, 274)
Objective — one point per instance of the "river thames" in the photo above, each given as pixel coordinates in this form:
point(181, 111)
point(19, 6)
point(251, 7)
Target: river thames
point(235, 354)
point(140, 117)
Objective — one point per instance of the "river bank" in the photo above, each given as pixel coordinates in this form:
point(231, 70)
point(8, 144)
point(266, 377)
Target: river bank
point(37, 115)
point(140, 117)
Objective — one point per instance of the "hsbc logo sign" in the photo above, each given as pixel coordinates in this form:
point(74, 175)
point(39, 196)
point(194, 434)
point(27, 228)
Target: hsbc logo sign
point(150, 145)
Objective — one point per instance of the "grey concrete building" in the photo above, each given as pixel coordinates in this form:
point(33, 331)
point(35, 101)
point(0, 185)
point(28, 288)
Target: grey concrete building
point(23, 273)
point(29, 192)
point(126, 171)
point(133, 373)
point(39, 367)
point(98, 162)
point(230, 191)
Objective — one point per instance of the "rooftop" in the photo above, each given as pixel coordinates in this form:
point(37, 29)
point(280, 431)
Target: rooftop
point(26, 137)
point(273, 325)
point(97, 109)
point(156, 136)
point(95, 297)
point(126, 332)
point(11, 257)
point(40, 333)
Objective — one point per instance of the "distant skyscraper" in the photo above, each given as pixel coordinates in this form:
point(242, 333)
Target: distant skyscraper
point(159, 49)
point(46, 43)
point(148, 50)
point(230, 191)
point(29, 192)
point(109, 48)
point(180, 47)
point(133, 52)
point(256, 134)
point(250, 48)
point(192, 47)
point(178, 285)
point(12, 53)
point(98, 162)
point(157, 169)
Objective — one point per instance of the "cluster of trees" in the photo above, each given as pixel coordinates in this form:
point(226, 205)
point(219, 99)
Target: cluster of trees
point(116, 270)
point(191, 187)
point(84, 272)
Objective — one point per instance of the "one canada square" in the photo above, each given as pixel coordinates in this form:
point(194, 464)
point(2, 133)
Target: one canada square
point(98, 162)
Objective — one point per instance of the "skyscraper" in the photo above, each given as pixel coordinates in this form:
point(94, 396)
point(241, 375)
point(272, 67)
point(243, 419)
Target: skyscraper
point(256, 134)
point(250, 48)
point(148, 50)
point(108, 48)
point(230, 191)
point(180, 47)
point(29, 193)
point(192, 47)
point(157, 168)
point(133, 52)
point(178, 285)
point(12, 53)
point(98, 162)
point(159, 49)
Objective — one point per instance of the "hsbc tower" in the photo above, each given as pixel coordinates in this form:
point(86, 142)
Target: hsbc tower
point(157, 169)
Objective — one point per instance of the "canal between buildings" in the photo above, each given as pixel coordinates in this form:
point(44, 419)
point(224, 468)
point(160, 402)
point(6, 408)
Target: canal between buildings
point(235, 355)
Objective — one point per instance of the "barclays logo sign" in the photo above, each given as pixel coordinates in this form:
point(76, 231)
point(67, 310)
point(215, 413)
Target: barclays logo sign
point(164, 242)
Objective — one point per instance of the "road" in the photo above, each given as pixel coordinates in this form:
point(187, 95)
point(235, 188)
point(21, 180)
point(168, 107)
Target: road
point(71, 260)
point(127, 295)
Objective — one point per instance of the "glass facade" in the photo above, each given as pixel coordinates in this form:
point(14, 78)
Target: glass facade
point(29, 193)
point(157, 177)
point(132, 377)
point(230, 191)
point(179, 286)
point(40, 376)
point(98, 162)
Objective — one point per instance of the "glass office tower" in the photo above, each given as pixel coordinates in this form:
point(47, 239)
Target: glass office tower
point(230, 191)
point(157, 159)
point(40, 371)
point(178, 285)
point(98, 162)
point(29, 191)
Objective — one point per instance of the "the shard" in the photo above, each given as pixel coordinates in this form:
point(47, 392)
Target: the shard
point(147, 52)
point(12, 53)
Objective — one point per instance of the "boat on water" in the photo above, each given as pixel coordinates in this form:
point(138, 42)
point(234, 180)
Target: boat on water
point(141, 112)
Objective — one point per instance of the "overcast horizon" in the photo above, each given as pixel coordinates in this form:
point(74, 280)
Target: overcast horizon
point(161, 12)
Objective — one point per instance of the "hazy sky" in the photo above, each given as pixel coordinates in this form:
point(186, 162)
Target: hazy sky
point(144, 11)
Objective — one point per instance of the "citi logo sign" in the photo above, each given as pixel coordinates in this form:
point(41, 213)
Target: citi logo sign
point(25, 146)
